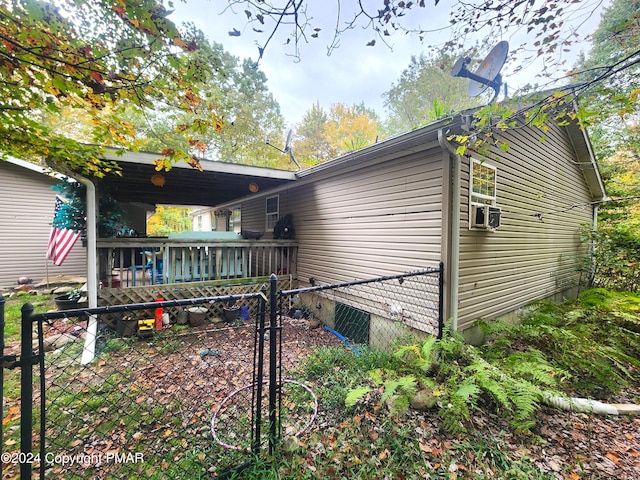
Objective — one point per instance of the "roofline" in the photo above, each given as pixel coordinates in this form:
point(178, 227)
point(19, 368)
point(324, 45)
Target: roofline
point(372, 150)
point(592, 175)
point(148, 158)
point(418, 139)
point(35, 167)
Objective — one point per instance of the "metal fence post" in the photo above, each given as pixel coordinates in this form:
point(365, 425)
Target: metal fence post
point(26, 391)
point(273, 298)
point(2, 301)
point(255, 448)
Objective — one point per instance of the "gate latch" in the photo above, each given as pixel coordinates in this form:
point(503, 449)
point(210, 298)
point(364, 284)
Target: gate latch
point(10, 361)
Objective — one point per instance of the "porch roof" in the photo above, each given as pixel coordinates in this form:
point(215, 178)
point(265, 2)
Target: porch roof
point(219, 182)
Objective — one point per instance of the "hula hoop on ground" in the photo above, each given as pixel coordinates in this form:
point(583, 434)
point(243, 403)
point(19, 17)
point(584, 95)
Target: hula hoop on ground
point(250, 385)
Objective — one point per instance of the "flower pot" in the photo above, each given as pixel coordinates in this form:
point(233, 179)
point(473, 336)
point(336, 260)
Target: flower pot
point(197, 316)
point(231, 313)
point(182, 318)
point(64, 303)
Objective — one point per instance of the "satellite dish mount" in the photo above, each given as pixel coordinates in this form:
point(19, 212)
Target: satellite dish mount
point(286, 149)
point(487, 75)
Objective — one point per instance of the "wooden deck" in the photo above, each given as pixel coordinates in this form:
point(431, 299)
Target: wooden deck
point(129, 262)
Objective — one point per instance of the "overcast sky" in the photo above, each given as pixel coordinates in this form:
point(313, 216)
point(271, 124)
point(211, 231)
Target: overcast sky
point(354, 72)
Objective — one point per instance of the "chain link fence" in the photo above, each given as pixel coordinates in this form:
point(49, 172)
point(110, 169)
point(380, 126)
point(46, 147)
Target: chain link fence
point(183, 388)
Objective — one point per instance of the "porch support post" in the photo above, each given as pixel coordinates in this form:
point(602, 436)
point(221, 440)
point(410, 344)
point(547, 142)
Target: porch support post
point(88, 352)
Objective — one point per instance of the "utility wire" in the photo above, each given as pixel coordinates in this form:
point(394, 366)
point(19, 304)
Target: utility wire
point(540, 215)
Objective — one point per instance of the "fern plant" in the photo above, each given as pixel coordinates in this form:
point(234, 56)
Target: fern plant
point(400, 389)
point(596, 339)
point(514, 384)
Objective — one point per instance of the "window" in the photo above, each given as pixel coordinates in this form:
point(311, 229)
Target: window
point(483, 212)
point(235, 221)
point(483, 183)
point(272, 212)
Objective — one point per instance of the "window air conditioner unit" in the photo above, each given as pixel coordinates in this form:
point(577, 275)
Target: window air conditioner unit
point(485, 216)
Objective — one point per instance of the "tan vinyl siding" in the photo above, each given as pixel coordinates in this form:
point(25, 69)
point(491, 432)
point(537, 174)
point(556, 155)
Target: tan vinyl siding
point(545, 203)
point(254, 213)
point(361, 223)
point(373, 221)
point(382, 218)
point(26, 211)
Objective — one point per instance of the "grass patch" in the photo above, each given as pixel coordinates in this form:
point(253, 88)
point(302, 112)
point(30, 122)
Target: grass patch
point(13, 312)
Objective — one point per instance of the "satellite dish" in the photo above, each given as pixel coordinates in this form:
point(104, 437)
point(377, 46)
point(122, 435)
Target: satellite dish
point(287, 148)
point(287, 144)
point(488, 72)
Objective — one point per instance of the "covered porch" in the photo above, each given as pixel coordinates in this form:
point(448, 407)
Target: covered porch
point(191, 256)
point(114, 262)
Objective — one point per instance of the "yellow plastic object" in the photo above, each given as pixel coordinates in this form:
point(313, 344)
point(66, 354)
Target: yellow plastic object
point(146, 325)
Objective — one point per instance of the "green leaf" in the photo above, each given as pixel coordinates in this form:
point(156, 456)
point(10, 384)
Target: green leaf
point(461, 149)
point(468, 390)
point(354, 395)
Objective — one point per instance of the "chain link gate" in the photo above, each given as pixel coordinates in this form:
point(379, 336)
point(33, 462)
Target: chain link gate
point(142, 405)
point(372, 313)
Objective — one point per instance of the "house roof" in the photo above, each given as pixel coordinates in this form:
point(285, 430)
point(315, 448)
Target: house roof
point(586, 161)
point(218, 183)
point(34, 167)
point(426, 137)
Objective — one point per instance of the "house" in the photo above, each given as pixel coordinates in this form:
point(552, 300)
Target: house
point(507, 225)
point(202, 219)
point(27, 204)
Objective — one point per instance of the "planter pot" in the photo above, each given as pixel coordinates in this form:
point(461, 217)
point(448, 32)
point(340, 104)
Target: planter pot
point(182, 318)
point(231, 313)
point(197, 316)
point(63, 303)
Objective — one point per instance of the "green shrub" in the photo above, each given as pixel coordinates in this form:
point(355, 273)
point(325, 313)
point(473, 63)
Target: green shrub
point(614, 260)
point(461, 379)
point(596, 339)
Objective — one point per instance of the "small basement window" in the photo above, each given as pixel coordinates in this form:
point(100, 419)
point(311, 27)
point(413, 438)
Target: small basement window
point(273, 209)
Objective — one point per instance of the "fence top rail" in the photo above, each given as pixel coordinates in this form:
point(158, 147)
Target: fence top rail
point(428, 271)
point(54, 315)
point(186, 242)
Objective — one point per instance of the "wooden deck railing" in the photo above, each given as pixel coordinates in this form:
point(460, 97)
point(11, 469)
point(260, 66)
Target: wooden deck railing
point(129, 262)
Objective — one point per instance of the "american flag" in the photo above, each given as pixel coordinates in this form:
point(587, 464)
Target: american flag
point(61, 240)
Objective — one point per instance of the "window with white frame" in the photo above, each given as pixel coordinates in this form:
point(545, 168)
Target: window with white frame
point(273, 208)
point(482, 185)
